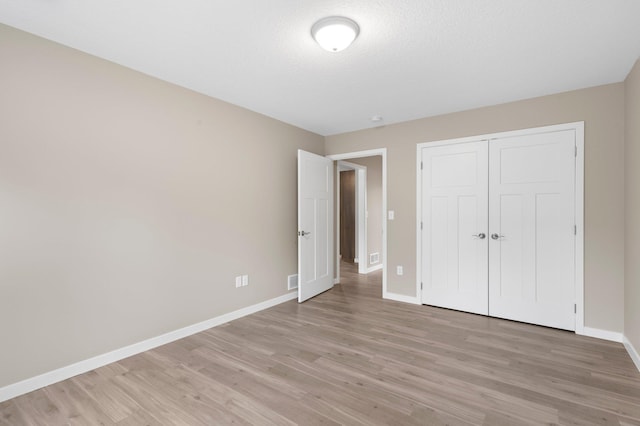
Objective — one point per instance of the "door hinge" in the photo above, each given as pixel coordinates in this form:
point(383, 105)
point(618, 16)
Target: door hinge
point(576, 151)
point(575, 229)
point(420, 286)
point(421, 165)
point(421, 225)
point(575, 308)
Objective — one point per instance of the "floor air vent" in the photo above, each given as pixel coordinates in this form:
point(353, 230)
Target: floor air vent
point(292, 282)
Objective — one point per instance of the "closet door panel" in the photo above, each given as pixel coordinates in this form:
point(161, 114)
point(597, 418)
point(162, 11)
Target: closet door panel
point(454, 215)
point(531, 226)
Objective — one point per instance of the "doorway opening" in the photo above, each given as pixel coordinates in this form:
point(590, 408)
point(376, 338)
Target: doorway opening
point(366, 172)
point(351, 206)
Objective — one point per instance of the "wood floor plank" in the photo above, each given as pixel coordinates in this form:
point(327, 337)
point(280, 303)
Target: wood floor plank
point(76, 405)
point(10, 415)
point(349, 357)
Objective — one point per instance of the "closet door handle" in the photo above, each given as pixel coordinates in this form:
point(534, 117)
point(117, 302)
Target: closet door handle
point(496, 236)
point(479, 236)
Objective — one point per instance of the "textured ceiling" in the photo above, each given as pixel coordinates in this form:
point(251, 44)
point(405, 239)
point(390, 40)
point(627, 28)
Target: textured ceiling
point(413, 58)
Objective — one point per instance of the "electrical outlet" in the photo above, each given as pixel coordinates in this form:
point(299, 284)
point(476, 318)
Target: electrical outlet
point(245, 280)
point(399, 270)
point(392, 215)
point(238, 281)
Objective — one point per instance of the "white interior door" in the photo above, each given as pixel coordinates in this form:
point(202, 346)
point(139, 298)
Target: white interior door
point(531, 226)
point(315, 224)
point(454, 226)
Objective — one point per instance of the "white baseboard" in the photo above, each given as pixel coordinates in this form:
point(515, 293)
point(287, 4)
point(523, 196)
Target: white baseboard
point(633, 353)
point(401, 298)
point(46, 379)
point(375, 268)
point(601, 334)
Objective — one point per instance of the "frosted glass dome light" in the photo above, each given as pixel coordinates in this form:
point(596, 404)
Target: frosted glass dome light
point(335, 33)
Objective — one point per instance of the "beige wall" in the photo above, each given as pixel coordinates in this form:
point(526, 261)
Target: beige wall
point(602, 109)
point(632, 207)
point(374, 205)
point(128, 205)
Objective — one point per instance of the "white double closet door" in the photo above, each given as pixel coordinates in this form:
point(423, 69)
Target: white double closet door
point(498, 227)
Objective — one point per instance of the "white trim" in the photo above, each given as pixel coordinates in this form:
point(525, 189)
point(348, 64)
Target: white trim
point(372, 153)
point(578, 127)
point(60, 374)
point(633, 353)
point(511, 133)
point(361, 214)
point(579, 218)
point(374, 268)
point(612, 336)
point(336, 223)
point(401, 298)
point(418, 221)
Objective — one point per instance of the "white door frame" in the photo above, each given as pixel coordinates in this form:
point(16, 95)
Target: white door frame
point(361, 154)
point(578, 127)
point(361, 209)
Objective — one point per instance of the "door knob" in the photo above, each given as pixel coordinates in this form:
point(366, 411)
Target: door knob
point(480, 236)
point(303, 233)
point(496, 236)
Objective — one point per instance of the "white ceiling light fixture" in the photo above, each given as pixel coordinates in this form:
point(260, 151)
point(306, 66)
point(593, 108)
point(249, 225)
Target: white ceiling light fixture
point(335, 33)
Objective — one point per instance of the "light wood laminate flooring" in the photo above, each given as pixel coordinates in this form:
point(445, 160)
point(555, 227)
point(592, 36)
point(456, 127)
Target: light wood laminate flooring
point(350, 357)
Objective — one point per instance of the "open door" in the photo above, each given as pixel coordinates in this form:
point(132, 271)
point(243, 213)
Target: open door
point(315, 225)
